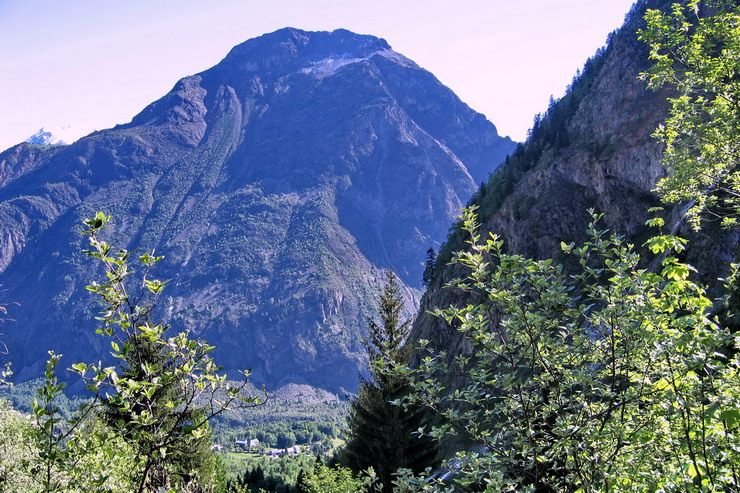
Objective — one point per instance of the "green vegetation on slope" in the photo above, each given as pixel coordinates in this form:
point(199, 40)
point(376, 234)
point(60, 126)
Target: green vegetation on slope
point(548, 131)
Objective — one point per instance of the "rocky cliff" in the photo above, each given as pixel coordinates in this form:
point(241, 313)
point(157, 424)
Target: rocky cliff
point(592, 149)
point(277, 184)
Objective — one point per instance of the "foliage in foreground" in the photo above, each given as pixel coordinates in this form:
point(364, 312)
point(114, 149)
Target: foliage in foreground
point(614, 378)
point(325, 479)
point(16, 454)
point(696, 49)
point(146, 427)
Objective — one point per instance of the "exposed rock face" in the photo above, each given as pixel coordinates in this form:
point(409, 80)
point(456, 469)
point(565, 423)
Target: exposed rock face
point(277, 184)
point(593, 150)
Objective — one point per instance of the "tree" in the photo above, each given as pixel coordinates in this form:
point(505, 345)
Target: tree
point(608, 379)
point(17, 450)
point(160, 397)
point(429, 265)
point(190, 457)
point(381, 434)
point(696, 49)
point(57, 441)
point(325, 479)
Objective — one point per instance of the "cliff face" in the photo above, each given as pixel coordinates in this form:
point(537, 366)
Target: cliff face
point(593, 149)
point(277, 184)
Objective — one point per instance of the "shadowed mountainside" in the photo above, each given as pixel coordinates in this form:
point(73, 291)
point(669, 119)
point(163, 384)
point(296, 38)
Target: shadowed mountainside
point(592, 149)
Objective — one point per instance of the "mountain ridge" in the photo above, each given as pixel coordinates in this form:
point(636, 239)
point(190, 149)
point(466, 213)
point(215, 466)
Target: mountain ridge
point(277, 198)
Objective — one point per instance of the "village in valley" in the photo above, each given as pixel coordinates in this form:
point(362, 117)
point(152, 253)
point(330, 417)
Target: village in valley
point(253, 445)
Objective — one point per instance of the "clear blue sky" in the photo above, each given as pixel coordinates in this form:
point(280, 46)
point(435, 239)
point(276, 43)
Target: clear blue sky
point(91, 64)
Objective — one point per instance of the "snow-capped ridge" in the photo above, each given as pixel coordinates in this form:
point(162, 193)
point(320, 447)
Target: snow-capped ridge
point(59, 136)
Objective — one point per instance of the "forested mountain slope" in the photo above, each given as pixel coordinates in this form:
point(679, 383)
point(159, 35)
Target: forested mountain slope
point(591, 149)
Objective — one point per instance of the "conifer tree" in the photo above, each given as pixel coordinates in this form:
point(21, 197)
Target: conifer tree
point(429, 264)
point(381, 433)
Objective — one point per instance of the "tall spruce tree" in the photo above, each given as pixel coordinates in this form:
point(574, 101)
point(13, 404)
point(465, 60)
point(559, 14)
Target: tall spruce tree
point(429, 264)
point(382, 434)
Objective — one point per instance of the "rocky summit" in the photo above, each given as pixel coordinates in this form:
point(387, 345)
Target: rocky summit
point(278, 185)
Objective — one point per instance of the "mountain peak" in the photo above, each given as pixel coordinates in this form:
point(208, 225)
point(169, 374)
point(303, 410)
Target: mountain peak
point(45, 137)
point(278, 185)
point(305, 47)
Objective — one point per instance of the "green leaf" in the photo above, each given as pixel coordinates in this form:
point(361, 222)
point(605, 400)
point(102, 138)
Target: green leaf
point(655, 222)
point(730, 417)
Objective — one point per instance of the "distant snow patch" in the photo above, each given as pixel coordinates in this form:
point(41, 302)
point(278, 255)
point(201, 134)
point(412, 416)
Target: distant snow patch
point(63, 135)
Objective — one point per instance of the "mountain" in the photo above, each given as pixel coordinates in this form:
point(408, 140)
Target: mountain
point(45, 137)
point(592, 149)
point(277, 184)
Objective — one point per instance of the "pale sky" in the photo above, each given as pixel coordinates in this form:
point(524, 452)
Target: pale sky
point(91, 64)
